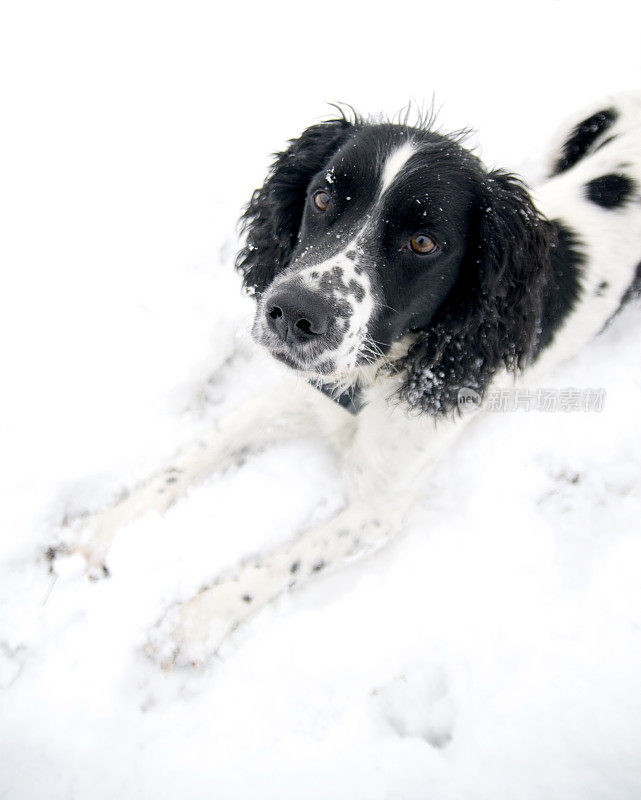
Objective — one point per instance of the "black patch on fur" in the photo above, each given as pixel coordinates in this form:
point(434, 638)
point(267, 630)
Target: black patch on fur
point(356, 289)
point(351, 400)
point(610, 191)
point(563, 288)
point(583, 137)
point(294, 567)
point(600, 289)
point(247, 598)
point(336, 291)
point(330, 281)
point(342, 309)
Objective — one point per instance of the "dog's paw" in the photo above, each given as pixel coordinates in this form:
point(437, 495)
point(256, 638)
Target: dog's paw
point(88, 538)
point(64, 560)
point(190, 633)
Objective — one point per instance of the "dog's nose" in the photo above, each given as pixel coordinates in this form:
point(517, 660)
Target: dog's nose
point(296, 314)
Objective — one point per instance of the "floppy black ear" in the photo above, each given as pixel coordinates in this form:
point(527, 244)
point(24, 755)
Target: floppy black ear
point(513, 256)
point(273, 216)
point(492, 318)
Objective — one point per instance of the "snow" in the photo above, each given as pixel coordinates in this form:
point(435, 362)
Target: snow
point(493, 650)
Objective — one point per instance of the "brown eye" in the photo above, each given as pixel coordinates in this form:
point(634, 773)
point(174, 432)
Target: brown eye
point(321, 200)
point(422, 244)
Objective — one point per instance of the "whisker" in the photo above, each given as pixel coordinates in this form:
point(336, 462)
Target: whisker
point(384, 305)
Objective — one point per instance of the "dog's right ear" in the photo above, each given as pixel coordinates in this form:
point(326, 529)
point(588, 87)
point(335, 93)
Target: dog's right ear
point(273, 216)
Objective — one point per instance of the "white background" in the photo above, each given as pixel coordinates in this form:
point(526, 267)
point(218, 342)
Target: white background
point(493, 651)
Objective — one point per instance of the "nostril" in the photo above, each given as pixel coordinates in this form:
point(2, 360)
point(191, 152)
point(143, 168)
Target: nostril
point(305, 326)
point(296, 316)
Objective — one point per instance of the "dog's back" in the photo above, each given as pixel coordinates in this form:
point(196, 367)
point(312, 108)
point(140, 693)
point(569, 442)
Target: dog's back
point(593, 194)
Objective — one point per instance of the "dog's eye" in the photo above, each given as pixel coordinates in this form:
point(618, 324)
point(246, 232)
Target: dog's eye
point(422, 244)
point(321, 200)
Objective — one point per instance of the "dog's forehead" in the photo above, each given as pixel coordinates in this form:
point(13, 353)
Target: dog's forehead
point(394, 162)
point(385, 164)
point(374, 153)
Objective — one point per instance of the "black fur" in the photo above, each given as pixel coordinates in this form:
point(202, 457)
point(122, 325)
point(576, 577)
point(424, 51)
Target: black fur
point(583, 137)
point(492, 318)
point(561, 293)
point(610, 191)
point(272, 218)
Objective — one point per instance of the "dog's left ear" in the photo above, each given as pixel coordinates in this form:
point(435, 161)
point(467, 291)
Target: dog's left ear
point(491, 320)
point(273, 216)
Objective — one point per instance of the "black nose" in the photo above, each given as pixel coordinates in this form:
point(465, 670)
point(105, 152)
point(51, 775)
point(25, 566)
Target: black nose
point(296, 314)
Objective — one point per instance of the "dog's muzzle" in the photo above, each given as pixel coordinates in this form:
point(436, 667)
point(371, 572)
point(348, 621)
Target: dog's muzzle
point(299, 327)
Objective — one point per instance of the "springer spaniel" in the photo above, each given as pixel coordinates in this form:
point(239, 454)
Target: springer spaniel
point(398, 276)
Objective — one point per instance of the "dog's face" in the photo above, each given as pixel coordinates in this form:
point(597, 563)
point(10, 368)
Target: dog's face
point(361, 234)
point(379, 246)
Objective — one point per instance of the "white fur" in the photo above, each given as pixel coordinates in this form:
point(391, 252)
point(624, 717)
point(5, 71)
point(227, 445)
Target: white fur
point(347, 353)
point(394, 164)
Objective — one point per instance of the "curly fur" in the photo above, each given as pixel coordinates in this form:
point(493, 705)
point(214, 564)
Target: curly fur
point(492, 319)
point(273, 215)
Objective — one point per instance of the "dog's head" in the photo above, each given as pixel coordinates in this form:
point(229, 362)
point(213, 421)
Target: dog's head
point(364, 233)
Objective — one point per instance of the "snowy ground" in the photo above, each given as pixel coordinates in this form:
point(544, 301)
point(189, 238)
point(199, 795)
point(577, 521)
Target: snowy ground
point(493, 651)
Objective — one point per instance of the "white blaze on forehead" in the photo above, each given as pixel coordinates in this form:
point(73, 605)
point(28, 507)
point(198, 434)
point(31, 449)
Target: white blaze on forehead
point(394, 163)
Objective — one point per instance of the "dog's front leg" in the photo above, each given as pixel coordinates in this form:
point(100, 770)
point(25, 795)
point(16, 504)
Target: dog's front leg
point(279, 411)
point(385, 466)
point(191, 632)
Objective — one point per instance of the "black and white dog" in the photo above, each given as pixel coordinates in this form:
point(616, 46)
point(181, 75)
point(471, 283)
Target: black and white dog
point(392, 271)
